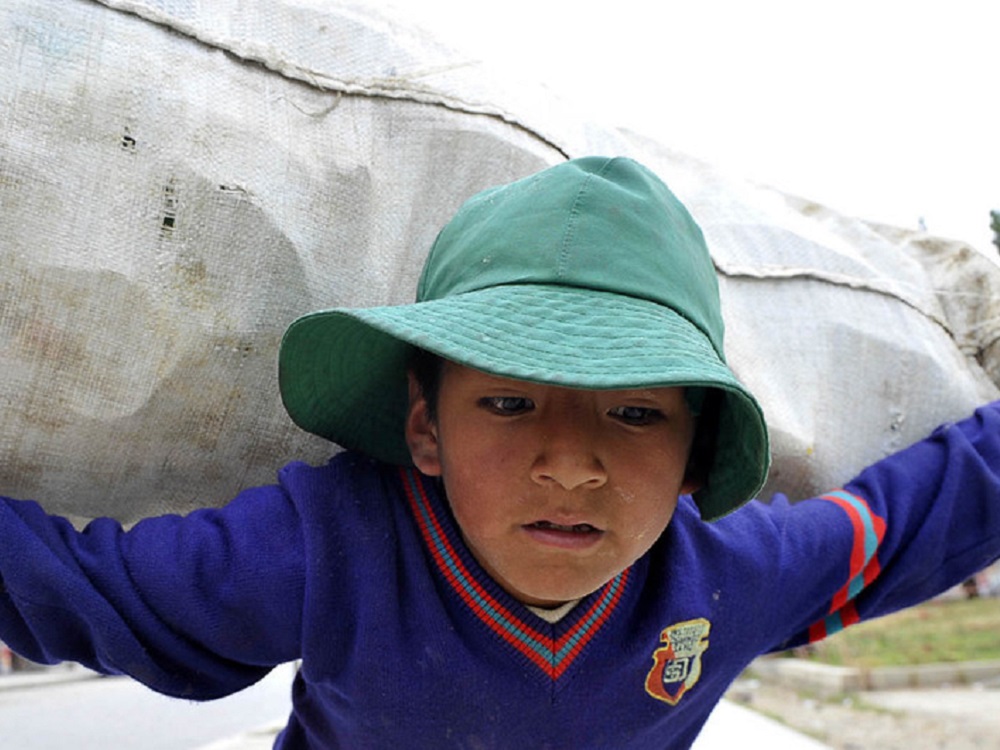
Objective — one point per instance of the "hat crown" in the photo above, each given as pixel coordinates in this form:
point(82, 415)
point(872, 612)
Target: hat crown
point(594, 223)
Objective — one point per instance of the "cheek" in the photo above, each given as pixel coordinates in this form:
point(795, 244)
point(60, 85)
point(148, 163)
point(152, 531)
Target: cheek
point(476, 487)
point(650, 519)
point(480, 459)
point(647, 494)
point(658, 467)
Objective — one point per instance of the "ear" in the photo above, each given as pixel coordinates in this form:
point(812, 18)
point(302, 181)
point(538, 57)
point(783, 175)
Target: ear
point(699, 454)
point(421, 433)
point(694, 472)
point(690, 485)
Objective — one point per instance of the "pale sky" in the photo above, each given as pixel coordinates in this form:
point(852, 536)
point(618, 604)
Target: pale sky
point(881, 109)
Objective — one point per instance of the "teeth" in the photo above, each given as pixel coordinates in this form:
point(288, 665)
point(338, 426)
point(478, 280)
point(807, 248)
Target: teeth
point(579, 528)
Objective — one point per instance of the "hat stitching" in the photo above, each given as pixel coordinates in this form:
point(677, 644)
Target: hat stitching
point(570, 232)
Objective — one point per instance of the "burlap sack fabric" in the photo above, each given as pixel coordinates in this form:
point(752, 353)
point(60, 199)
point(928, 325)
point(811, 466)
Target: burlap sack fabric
point(179, 181)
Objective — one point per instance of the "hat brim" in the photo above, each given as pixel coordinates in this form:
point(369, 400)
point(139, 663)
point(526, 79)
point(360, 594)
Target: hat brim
point(342, 372)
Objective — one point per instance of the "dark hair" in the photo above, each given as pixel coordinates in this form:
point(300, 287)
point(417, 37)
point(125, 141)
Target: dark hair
point(702, 456)
point(427, 366)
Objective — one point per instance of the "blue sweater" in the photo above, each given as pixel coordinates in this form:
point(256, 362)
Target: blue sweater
point(358, 569)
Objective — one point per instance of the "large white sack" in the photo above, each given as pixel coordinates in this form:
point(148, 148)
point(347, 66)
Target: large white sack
point(179, 180)
point(167, 208)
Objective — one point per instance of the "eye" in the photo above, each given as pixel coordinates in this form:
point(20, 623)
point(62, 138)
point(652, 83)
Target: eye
point(507, 405)
point(636, 415)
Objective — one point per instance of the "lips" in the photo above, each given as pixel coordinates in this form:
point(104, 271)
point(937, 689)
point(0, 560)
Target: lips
point(576, 536)
point(577, 528)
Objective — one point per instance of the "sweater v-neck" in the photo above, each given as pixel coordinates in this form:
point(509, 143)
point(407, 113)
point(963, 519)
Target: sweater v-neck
point(552, 648)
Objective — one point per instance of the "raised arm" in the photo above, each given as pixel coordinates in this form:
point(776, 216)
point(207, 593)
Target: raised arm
point(195, 607)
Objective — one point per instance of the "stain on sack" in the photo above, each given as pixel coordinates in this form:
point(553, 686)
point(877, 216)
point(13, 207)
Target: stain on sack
point(128, 142)
point(168, 215)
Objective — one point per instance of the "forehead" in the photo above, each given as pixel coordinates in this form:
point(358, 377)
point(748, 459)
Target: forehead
point(458, 377)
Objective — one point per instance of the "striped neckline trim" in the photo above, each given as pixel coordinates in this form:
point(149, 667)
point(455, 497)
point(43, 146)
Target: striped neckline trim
point(551, 654)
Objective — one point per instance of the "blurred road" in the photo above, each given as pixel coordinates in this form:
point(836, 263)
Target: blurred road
point(98, 713)
point(116, 712)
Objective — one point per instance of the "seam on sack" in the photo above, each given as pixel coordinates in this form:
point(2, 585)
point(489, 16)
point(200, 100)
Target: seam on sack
point(378, 88)
point(833, 280)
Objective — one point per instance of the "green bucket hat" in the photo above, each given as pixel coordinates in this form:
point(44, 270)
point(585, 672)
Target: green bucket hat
point(589, 274)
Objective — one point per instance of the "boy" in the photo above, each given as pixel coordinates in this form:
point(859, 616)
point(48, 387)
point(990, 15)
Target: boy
point(514, 550)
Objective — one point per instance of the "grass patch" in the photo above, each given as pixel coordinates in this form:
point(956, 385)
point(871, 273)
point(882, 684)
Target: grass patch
point(938, 631)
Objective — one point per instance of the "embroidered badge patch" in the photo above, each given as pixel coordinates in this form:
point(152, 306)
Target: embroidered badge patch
point(677, 664)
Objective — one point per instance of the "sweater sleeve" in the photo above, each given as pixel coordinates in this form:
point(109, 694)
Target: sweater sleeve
point(197, 607)
point(906, 529)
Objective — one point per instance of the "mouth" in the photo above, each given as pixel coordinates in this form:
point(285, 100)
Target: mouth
point(577, 528)
point(565, 536)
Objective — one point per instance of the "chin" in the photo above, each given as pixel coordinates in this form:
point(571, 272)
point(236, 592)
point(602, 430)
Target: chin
point(554, 596)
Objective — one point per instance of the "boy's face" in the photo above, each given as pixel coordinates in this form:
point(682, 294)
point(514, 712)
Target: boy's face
point(556, 490)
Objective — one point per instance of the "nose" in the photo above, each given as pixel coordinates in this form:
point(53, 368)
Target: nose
point(567, 458)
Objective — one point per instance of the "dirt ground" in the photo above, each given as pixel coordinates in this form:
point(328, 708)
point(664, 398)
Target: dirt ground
point(961, 718)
